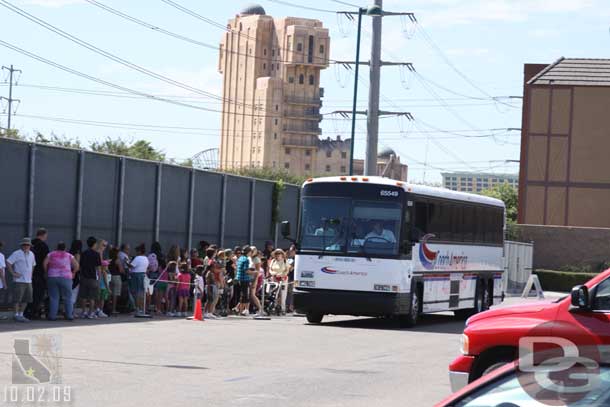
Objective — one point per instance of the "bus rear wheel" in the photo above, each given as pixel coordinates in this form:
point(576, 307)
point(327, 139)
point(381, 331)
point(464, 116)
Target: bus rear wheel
point(314, 317)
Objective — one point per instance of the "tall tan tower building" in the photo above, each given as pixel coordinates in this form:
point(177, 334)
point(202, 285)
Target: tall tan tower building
point(272, 95)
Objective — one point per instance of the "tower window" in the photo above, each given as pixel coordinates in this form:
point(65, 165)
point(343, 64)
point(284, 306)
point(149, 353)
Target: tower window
point(277, 107)
point(343, 154)
point(307, 153)
point(299, 47)
point(329, 154)
point(301, 79)
point(307, 167)
point(265, 51)
point(273, 52)
point(276, 122)
point(321, 49)
point(287, 151)
point(311, 80)
point(264, 66)
point(275, 136)
point(291, 79)
point(328, 168)
point(286, 165)
point(343, 170)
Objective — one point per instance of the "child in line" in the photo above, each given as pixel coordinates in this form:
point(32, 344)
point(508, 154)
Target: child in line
point(104, 288)
point(184, 292)
point(199, 288)
point(170, 297)
point(211, 290)
point(161, 291)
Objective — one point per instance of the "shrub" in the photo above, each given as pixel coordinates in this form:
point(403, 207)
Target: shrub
point(562, 281)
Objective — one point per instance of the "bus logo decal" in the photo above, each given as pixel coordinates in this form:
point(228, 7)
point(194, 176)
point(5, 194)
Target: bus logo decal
point(427, 256)
point(328, 270)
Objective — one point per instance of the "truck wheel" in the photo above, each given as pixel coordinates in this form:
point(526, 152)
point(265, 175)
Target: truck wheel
point(314, 317)
point(409, 320)
point(492, 360)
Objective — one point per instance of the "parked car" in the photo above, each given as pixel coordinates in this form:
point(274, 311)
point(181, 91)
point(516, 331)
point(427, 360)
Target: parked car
point(491, 339)
point(508, 386)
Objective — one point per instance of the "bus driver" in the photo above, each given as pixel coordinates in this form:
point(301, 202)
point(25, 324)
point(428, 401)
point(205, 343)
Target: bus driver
point(380, 233)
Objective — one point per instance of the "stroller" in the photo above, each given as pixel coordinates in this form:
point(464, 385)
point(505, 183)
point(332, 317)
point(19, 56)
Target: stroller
point(272, 304)
point(223, 306)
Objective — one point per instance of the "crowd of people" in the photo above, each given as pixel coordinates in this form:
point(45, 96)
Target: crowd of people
point(102, 279)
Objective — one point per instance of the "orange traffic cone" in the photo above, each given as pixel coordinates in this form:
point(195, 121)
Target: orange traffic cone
point(198, 314)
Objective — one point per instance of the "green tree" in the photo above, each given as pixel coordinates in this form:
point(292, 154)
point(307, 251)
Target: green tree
point(509, 196)
point(13, 134)
point(139, 149)
point(55, 140)
point(270, 174)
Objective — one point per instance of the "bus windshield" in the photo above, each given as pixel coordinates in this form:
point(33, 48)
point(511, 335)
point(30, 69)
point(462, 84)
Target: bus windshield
point(344, 225)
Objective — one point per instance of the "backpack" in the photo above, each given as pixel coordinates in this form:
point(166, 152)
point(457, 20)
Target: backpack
point(153, 263)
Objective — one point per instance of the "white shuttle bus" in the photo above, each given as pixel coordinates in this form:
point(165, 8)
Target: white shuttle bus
point(372, 246)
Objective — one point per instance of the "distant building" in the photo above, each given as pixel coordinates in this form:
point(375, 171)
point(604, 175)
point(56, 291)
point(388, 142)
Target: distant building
point(565, 140)
point(396, 169)
point(272, 95)
point(477, 181)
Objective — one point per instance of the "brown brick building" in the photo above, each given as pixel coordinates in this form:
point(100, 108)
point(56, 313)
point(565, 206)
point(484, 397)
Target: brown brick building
point(565, 144)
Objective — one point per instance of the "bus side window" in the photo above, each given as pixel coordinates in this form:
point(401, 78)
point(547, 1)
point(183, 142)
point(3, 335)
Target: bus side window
point(420, 225)
point(469, 224)
point(407, 242)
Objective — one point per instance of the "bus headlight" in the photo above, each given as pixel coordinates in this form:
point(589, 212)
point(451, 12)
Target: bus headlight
point(464, 344)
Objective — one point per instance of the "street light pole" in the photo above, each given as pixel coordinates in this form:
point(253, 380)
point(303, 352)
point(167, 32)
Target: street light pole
point(354, 107)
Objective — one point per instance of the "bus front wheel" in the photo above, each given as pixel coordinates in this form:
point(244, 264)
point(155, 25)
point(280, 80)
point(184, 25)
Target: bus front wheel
point(314, 317)
point(409, 320)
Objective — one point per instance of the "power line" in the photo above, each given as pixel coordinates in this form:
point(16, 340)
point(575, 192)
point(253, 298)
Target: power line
point(109, 84)
point(289, 4)
point(111, 56)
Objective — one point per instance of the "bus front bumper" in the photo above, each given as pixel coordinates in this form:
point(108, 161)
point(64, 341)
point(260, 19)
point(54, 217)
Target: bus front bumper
point(358, 303)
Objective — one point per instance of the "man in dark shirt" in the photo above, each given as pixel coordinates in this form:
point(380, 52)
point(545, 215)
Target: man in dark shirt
point(39, 284)
point(90, 262)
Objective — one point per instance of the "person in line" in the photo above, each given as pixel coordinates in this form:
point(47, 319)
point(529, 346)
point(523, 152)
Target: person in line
point(195, 259)
point(3, 282)
point(105, 291)
point(39, 284)
point(124, 255)
point(184, 289)
point(117, 271)
point(256, 266)
point(290, 256)
point(278, 269)
point(158, 294)
point(76, 249)
point(244, 276)
point(21, 266)
point(137, 272)
point(229, 279)
point(199, 288)
point(152, 275)
point(236, 283)
point(100, 247)
point(89, 291)
point(60, 268)
point(211, 289)
point(170, 297)
point(203, 248)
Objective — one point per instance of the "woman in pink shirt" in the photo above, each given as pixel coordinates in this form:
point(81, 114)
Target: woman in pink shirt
point(184, 289)
point(60, 267)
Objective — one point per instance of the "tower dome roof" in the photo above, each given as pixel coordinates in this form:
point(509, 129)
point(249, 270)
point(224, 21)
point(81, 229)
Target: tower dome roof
point(252, 9)
point(386, 153)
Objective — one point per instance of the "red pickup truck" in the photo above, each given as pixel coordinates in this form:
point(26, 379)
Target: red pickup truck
point(491, 338)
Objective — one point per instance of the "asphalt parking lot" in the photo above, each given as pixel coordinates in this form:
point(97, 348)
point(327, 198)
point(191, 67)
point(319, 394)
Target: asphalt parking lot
point(240, 361)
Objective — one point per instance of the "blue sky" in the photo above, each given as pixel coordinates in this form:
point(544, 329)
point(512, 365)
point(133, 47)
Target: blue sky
point(488, 41)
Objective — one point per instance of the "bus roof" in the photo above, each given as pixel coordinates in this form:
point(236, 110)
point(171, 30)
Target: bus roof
point(414, 188)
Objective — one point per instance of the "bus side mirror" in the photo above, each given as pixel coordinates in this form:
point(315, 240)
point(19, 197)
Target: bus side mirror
point(580, 297)
point(285, 229)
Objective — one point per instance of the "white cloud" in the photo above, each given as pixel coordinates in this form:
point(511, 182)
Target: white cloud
point(51, 3)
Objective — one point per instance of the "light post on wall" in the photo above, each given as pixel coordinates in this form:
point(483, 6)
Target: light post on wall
point(373, 11)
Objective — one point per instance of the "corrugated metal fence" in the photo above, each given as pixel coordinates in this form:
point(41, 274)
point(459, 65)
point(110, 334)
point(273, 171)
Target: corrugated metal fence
point(76, 194)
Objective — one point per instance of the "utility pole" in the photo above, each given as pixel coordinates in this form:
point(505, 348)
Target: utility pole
point(375, 63)
point(372, 119)
point(10, 99)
